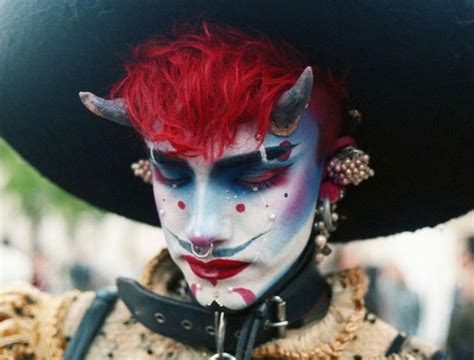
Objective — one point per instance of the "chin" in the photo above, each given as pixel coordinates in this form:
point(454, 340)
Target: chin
point(229, 294)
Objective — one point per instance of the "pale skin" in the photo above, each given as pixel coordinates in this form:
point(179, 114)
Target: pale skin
point(255, 204)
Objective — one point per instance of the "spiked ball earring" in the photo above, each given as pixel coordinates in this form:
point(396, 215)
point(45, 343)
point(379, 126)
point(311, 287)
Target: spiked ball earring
point(142, 169)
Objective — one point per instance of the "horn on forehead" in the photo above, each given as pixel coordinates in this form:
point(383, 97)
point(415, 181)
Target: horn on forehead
point(287, 111)
point(114, 110)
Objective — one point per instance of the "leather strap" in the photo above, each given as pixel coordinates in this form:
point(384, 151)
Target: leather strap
point(396, 345)
point(192, 324)
point(90, 324)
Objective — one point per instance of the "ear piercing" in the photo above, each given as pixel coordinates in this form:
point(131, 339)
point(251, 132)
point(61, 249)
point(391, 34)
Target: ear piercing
point(349, 166)
point(142, 169)
point(326, 223)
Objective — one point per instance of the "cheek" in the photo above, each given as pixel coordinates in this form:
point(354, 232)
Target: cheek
point(293, 202)
point(298, 198)
point(170, 203)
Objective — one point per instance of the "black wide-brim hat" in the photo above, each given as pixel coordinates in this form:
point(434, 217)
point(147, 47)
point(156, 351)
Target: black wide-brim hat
point(410, 74)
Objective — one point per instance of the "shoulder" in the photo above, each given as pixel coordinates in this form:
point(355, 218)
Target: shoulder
point(32, 322)
point(375, 339)
point(348, 331)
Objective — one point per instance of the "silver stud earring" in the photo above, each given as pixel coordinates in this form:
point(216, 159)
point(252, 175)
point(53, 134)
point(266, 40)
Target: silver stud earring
point(325, 223)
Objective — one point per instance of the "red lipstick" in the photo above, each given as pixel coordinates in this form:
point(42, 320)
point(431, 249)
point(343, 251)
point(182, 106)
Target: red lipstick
point(216, 269)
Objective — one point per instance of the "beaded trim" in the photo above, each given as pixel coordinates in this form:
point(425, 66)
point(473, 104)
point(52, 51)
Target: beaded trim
point(146, 279)
point(357, 281)
point(31, 323)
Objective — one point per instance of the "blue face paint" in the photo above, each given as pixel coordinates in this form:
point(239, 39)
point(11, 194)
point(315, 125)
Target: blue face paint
point(255, 205)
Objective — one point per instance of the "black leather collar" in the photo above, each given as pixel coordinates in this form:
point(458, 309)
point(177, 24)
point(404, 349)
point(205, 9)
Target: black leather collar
point(192, 324)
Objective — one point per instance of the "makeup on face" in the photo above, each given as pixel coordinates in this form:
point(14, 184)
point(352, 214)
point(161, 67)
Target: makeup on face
point(255, 205)
point(248, 170)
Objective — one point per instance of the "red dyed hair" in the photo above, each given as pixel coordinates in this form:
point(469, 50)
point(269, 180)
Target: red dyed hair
point(195, 90)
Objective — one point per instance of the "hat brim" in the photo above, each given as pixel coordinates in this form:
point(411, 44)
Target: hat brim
point(410, 74)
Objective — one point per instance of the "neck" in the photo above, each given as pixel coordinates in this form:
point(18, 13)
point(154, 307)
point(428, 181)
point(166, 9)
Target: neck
point(305, 293)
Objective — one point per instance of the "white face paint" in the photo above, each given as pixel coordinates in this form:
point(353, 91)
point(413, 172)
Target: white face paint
point(255, 206)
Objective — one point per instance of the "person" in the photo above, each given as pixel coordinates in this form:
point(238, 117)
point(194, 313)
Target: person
point(461, 329)
point(400, 305)
point(249, 149)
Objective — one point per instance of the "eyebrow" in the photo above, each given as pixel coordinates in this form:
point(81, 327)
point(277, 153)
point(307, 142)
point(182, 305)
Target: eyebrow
point(249, 159)
point(253, 158)
point(164, 159)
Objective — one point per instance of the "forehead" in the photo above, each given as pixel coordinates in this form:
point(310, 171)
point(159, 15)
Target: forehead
point(246, 141)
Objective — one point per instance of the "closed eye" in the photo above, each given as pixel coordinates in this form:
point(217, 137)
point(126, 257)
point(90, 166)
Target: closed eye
point(262, 180)
point(174, 181)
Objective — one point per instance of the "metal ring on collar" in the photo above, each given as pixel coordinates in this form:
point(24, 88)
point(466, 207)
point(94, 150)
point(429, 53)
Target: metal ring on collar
point(222, 356)
point(269, 324)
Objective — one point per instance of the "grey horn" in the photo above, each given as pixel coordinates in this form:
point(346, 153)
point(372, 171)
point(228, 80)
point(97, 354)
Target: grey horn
point(287, 112)
point(114, 110)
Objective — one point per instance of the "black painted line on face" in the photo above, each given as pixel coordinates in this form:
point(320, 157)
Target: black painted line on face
point(274, 152)
point(238, 161)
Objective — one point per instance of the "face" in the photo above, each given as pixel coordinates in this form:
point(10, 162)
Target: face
point(255, 205)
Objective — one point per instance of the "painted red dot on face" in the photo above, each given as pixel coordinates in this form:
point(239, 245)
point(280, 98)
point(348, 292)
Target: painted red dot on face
point(181, 205)
point(240, 207)
point(287, 154)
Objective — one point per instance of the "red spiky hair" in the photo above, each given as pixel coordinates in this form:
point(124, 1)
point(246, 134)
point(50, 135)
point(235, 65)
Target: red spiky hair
point(196, 89)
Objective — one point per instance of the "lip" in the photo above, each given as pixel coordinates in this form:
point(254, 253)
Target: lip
point(215, 270)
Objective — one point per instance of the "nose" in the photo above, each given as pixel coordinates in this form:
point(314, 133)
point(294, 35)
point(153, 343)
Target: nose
point(201, 240)
point(208, 223)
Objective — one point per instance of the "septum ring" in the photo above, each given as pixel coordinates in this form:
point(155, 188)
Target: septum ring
point(202, 252)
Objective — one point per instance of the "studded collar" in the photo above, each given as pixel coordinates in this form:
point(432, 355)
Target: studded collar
point(192, 324)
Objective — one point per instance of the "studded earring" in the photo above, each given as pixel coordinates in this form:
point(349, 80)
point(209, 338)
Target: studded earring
point(325, 223)
point(347, 165)
point(142, 169)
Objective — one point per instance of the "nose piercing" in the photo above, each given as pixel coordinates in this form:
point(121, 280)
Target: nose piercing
point(201, 251)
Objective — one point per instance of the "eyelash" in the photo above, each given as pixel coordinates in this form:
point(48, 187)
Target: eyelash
point(259, 185)
point(252, 185)
point(266, 183)
point(170, 182)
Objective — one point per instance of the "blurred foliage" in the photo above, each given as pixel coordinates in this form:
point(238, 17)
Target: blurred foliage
point(36, 194)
